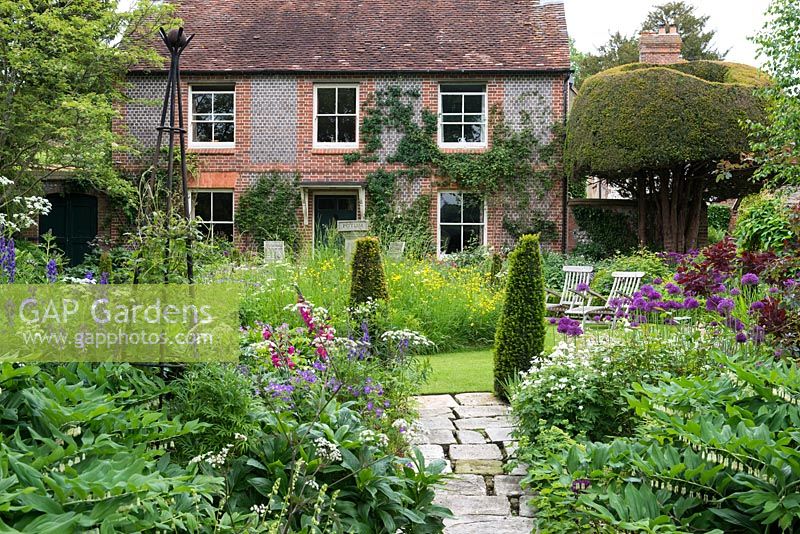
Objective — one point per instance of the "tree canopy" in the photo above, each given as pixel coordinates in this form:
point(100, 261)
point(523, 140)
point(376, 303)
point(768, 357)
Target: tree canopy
point(660, 132)
point(62, 70)
point(776, 141)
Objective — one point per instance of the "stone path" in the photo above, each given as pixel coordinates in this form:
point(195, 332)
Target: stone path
point(472, 433)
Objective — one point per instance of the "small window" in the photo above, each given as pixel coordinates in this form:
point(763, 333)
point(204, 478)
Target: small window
point(462, 222)
point(462, 115)
point(336, 116)
point(213, 111)
point(215, 210)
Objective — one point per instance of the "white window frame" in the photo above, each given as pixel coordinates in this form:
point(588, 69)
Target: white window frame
point(439, 223)
point(205, 144)
point(317, 87)
point(463, 144)
point(211, 223)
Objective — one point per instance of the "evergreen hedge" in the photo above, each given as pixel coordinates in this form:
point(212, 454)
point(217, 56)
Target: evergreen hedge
point(521, 328)
point(368, 281)
point(642, 116)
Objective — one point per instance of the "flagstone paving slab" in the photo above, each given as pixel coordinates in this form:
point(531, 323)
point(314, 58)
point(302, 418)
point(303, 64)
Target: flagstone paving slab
point(486, 451)
point(441, 436)
point(483, 423)
point(476, 524)
point(478, 399)
point(456, 430)
point(508, 485)
point(464, 485)
point(474, 504)
point(499, 434)
point(436, 423)
point(470, 436)
point(464, 412)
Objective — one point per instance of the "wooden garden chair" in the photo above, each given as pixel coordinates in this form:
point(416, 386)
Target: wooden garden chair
point(568, 298)
point(624, 286)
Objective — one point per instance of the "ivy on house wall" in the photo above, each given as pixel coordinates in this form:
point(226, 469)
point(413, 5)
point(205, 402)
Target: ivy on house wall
point(517, 163)
point(267, 211)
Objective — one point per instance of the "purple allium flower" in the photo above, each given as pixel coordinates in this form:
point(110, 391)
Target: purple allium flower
point(569, 327)
point(757, 305)
point(712, 303)
point(582, 287)
point(790, 283)
point(51, 271)
point(773, 290)
point(672, 289)
point(735, 292)
point(658, 281)
point(691, 303)
point(750, 279)
point(725, 305)
point(552, 320)
point(741, 337)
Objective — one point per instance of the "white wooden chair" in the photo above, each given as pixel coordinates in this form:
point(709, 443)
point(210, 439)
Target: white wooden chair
point(568, 298)
point(622, 289)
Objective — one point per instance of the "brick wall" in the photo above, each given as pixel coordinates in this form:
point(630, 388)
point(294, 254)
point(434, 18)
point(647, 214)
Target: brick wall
point(274, 132)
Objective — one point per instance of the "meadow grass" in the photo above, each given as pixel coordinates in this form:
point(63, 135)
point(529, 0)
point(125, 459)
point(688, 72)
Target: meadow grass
point(456, 308)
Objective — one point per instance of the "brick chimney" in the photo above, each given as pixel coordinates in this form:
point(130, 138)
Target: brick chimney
point(662, 47)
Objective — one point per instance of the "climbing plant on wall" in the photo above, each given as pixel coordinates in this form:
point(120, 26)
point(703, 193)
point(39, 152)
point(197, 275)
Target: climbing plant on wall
point(517, 163)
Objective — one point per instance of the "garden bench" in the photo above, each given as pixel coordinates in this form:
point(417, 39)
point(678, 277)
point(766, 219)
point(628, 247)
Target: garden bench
point(396, 250)
point(568, 298)
point(625, 284)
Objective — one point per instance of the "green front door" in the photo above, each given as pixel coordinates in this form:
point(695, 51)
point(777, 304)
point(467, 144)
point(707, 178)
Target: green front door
point(73, 222)
point(331, 208)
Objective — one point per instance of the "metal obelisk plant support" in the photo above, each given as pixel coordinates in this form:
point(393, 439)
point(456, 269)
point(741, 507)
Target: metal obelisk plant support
point(176, 42)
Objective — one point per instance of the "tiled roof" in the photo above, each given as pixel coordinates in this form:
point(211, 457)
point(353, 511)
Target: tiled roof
point(375, 35)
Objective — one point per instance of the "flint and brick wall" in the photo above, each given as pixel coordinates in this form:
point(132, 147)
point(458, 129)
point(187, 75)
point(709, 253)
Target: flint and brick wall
point(274, 133)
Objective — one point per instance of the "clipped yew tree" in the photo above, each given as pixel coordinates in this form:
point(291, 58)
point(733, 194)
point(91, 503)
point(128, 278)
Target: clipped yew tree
point(368, 281)
point(521, 328)
point(672, 137)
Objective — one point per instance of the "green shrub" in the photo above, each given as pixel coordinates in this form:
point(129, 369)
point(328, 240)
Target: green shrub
point(580, 387)
point(521, 329)
point(105, 265)
point(82, 450)
point(216, 394)
point(642, 260)
point(368, 281)
point(764, 223)
point(719, 217)
point(713, 453)
point(610, 232)
point(267, 211)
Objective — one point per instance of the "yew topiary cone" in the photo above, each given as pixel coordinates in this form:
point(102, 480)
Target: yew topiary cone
point(368, 280)
point(521, 328)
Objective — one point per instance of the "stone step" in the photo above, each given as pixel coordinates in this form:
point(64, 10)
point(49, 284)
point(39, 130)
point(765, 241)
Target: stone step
point(483, 423)
point(477, 399)
point(461, 505)
point(465, 412)
point(464, 485)
point(483, 524)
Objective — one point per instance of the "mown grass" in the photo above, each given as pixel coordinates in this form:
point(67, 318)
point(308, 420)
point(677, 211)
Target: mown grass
point(466, 372)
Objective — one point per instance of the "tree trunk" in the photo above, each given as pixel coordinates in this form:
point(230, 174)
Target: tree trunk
point(695, 213)
point(641, 197)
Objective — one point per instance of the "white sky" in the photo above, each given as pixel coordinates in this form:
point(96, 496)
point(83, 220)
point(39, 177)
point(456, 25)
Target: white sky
point(591, 21)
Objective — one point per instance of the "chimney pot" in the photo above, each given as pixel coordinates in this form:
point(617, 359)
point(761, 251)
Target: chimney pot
point(662, 48)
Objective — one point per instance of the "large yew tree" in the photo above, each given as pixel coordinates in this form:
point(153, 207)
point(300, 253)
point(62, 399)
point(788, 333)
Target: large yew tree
point(662, 134)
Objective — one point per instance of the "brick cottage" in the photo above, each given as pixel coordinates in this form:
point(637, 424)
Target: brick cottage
point(282, 86)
